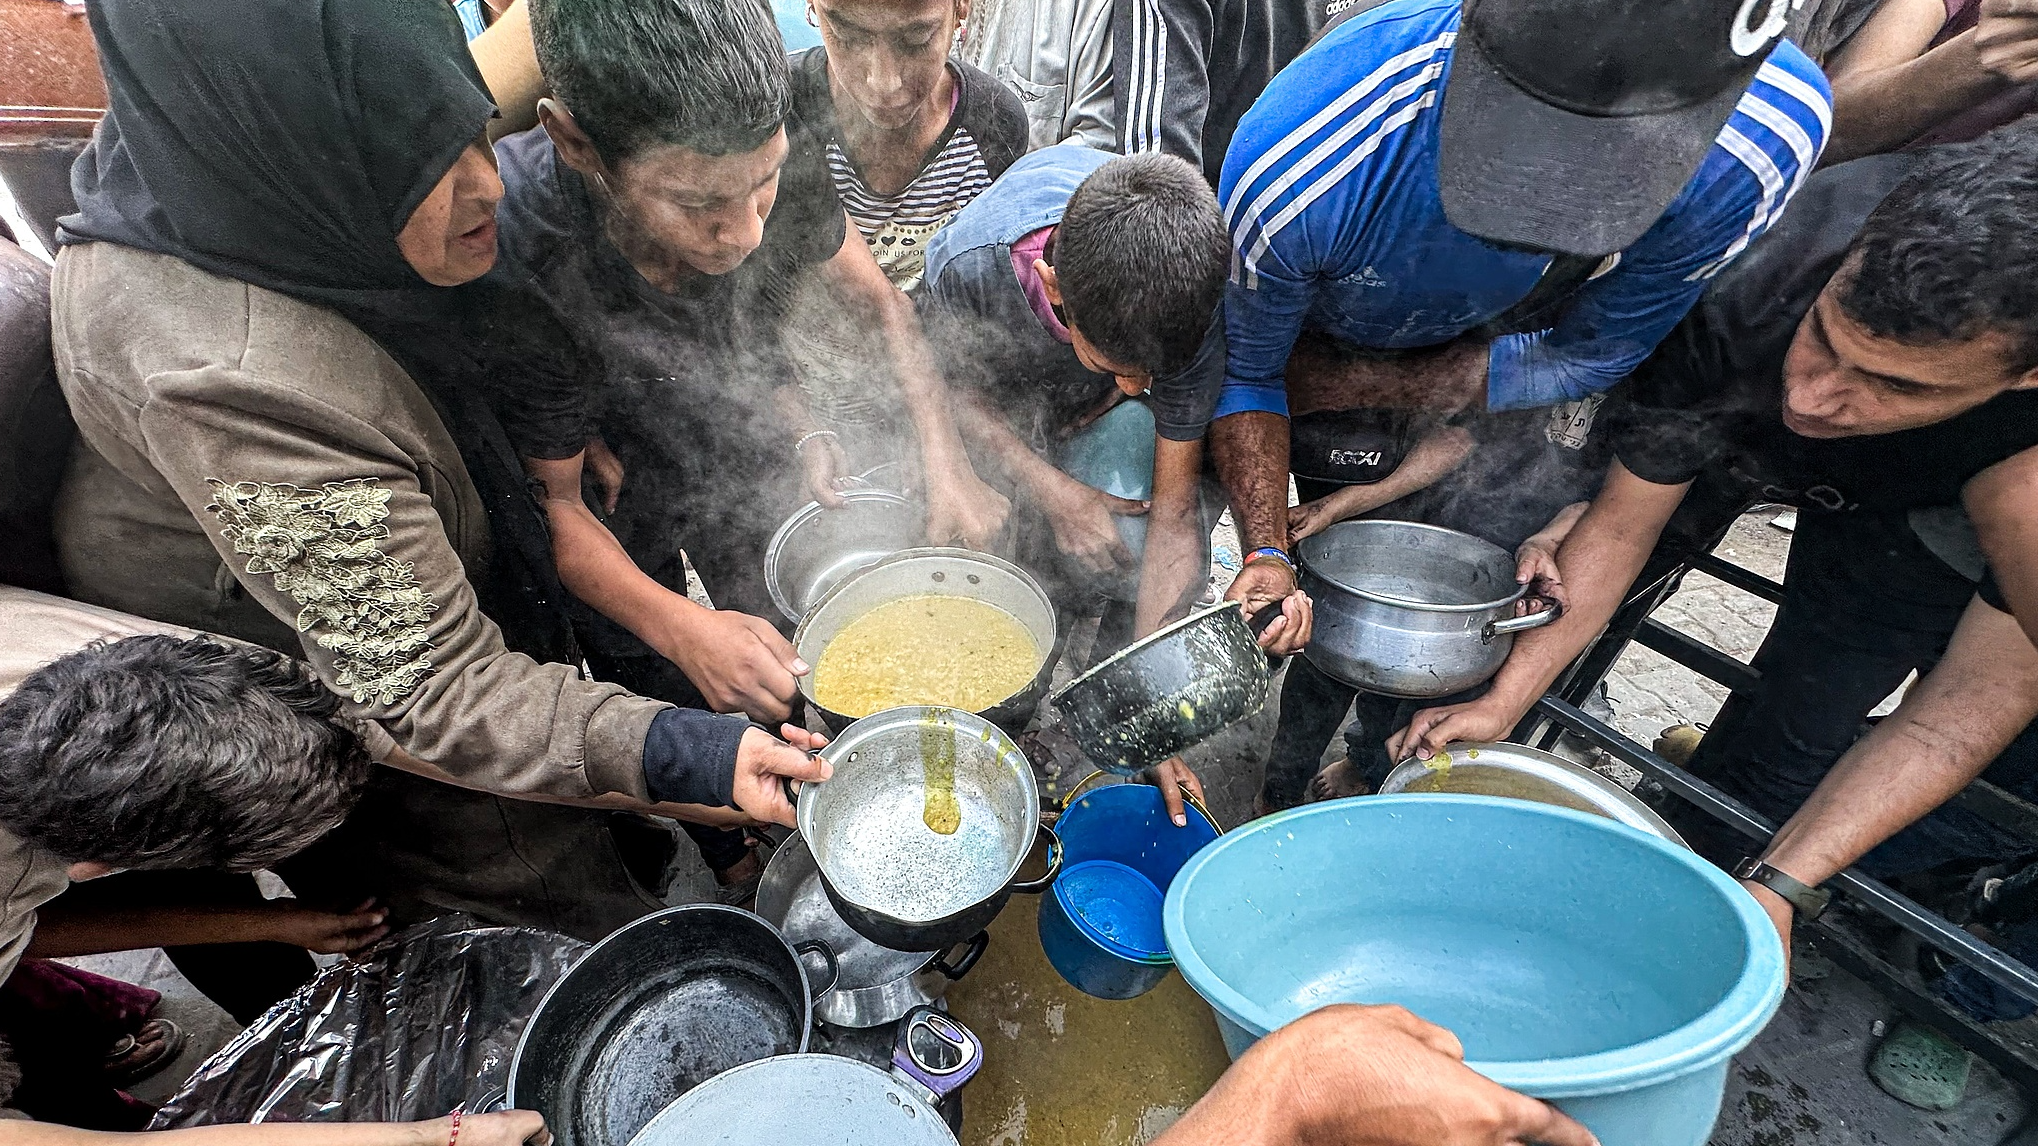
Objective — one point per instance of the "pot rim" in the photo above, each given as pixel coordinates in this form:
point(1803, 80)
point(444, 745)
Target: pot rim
point(797, 520)
point(1141, 645)
point(1043, 669)
point(1402, 602)
point(966, 723)
point(614, 938)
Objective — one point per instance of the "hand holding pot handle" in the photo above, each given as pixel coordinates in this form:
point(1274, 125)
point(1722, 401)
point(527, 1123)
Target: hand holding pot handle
point(1036, 886)
point(1534, 620)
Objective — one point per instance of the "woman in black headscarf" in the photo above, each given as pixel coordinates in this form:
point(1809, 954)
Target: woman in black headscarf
point(260, 329)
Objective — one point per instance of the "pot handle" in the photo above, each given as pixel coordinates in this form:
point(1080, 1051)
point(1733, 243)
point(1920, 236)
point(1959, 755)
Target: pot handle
point(1520, 624)
point(1036, 886)
point(494, 1102)
point(936, 1052)
point(827, 954)
point(975, 951)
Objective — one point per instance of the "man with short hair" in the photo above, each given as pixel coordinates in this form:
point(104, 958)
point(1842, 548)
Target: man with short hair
point(1497, 203)
point(1873, 361)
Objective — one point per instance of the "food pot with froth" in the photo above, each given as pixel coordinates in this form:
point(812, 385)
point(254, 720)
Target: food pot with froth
point(932, 625)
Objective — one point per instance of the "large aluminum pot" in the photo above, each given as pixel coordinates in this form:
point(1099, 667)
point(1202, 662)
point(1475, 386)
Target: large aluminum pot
point(873, 985)
point(660, 1006)
point(1173, 689)
point(1411, 610)
point(935, 570)
point(827, 1100)
point(815, 549)
point(1523, 773)
point(893, 878)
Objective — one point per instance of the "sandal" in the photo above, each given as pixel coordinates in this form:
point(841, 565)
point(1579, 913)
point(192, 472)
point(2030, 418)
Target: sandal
point(1337, 780)
point(1920, 1067)
point(146, 1052)
point(743, 892)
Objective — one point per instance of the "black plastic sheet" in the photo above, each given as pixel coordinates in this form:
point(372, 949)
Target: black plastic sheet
point(427, 1022)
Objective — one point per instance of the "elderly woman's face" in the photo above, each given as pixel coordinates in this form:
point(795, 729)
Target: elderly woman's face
point(888, 56)
point(450, 238)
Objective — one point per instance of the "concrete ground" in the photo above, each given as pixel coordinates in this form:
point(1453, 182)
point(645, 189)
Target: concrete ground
point(1801, 1084)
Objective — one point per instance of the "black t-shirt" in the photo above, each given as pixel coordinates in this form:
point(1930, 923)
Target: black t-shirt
point(1711, 396)
point(986, 132)
point(703, 357)
point(1525, 465)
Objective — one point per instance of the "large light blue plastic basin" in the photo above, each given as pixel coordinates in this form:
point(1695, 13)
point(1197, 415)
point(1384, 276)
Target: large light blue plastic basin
point(1579, 960)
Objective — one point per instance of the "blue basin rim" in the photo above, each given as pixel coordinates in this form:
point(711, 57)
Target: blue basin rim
point(1730, 1024)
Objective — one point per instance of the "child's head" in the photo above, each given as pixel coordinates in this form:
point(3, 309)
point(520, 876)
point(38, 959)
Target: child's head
point(888, 56)
point(161, 752)
point(1138, 267)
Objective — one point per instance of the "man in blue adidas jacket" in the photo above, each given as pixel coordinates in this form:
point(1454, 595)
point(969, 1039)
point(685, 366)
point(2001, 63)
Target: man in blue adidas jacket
point(1508, 202)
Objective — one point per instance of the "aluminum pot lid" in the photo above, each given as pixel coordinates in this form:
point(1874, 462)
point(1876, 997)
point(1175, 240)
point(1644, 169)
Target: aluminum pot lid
point(803, 1099)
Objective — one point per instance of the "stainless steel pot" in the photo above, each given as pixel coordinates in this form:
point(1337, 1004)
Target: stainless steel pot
point(826, 1100)
point(1174, 689)
point(935, 570)
point(1411, 610)
point(873, 985)
point(1524, 773)
point(816, 548)
point(897, 881)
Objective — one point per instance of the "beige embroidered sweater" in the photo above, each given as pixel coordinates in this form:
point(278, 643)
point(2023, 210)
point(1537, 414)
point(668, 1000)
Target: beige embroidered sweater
point(255, 466)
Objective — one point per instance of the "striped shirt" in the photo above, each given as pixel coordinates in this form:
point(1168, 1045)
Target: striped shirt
point(897, 227)
point(1330, 193)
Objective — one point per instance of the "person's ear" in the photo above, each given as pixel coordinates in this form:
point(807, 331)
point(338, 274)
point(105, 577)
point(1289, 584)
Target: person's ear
point(573, 144)
point(87, 869)
point(2028, 381)
point(1049, 283)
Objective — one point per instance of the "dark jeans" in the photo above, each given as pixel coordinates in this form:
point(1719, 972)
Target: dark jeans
point(1312, 707)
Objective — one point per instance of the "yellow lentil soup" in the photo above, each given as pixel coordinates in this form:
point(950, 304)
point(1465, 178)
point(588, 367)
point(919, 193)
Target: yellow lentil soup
point(926, 649)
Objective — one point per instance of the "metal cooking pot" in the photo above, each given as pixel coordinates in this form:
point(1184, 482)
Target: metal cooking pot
point(655, 1009)
point(898, 882)
point(1175, 689)
point(816, 548)
point(826, 1100)
point(1525, 773)
point(942, 571)
point(1411, 610)
point(874, 985)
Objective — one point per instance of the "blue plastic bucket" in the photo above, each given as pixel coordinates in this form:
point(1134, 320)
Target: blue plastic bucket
point(1101, 924)
point(1578, 959)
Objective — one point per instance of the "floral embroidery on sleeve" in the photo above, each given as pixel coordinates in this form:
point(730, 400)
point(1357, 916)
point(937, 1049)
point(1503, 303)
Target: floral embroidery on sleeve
point(323, 547)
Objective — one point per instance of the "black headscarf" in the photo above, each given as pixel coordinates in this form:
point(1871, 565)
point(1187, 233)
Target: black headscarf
point(285, 143)
point(280, 142)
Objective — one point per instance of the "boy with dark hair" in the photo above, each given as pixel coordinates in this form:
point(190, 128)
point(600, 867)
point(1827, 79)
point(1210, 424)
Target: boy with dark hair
point(669, 209)
point(1079, 282)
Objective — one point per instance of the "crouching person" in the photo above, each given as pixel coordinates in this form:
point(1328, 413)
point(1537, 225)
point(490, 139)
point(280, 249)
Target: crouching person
point(164, 751)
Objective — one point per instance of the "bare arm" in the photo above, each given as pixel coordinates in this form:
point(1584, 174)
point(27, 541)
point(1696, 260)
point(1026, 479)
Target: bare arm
point(62, 931)
point(509, 63)
point(1888, 89)
point(740, 663)
point(508, 1128)
point(1436, 453)
point(1251, 450)
point(1450, 378)
point(1949, 728)
point(1601, 557)
point(960, 507)
point(1173, 570)
point(1376, 1076)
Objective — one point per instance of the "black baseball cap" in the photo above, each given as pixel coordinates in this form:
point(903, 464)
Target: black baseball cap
point(1569, 125)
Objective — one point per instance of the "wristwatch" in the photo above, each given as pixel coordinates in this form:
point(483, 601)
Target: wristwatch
point(1810, 902)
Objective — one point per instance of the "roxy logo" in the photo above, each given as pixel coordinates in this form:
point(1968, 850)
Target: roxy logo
point(1355, 457)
